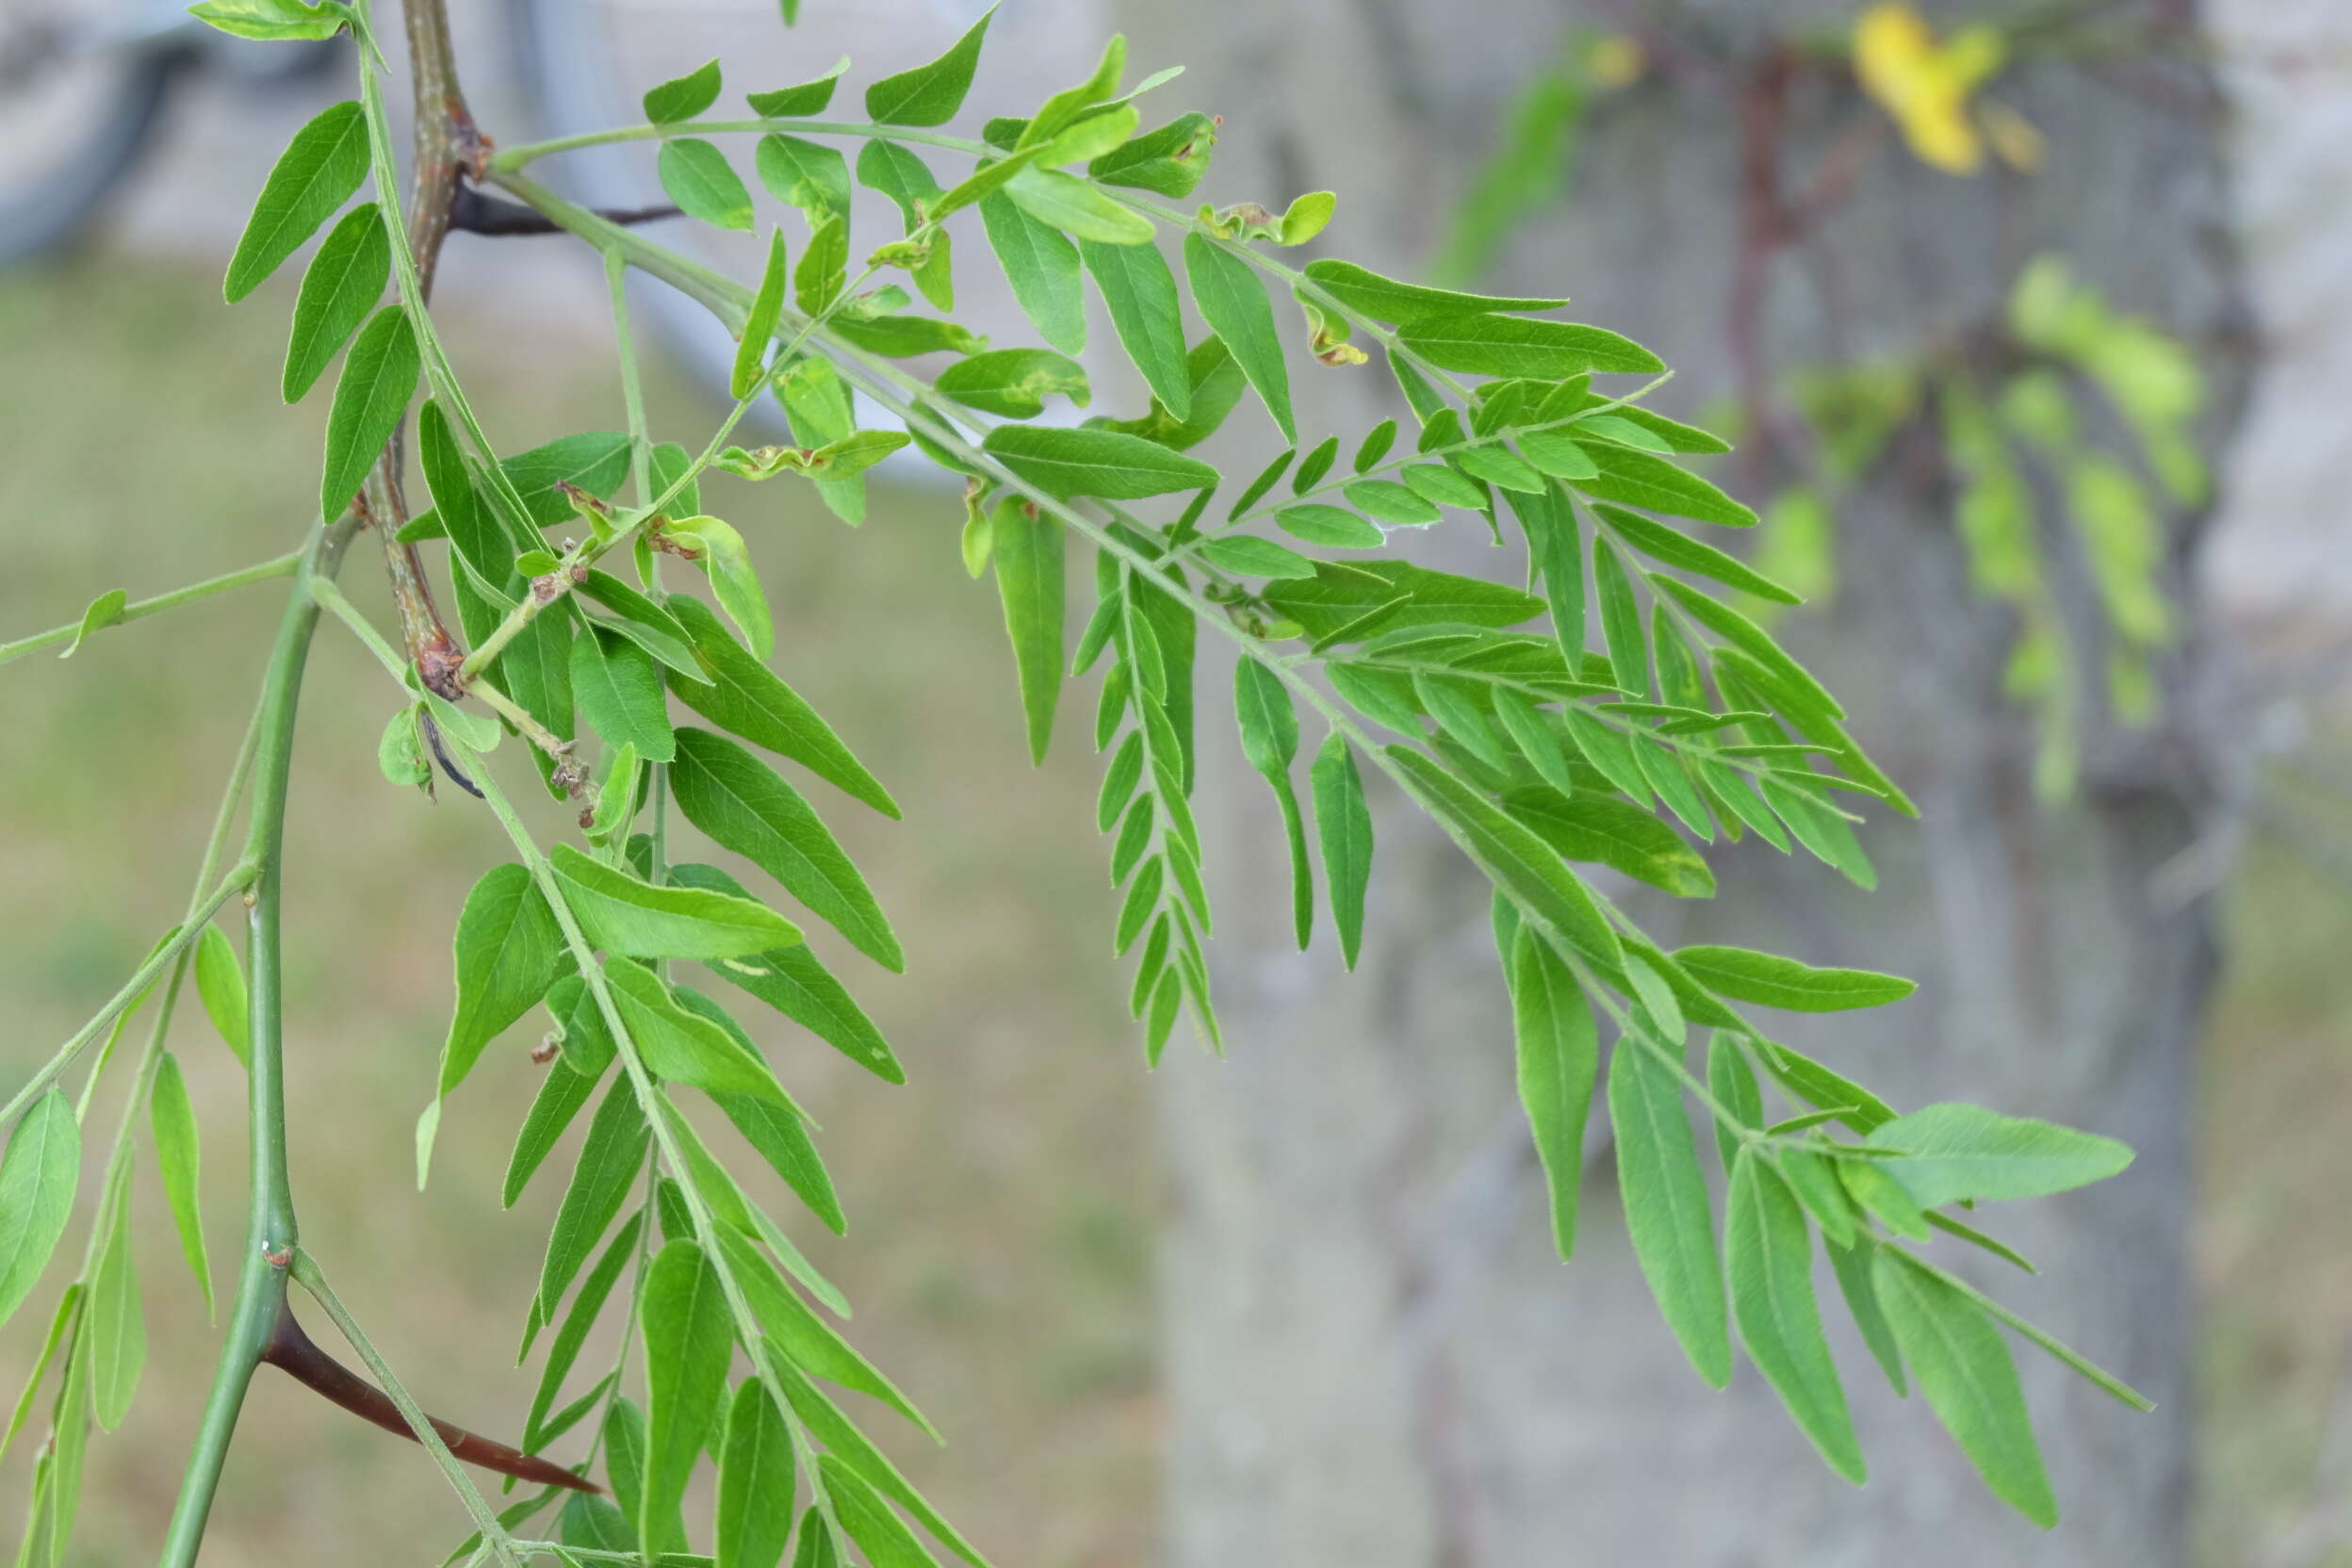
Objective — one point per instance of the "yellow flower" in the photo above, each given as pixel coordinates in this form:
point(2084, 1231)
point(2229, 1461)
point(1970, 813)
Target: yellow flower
point(1925, 86)
point(1614, 60)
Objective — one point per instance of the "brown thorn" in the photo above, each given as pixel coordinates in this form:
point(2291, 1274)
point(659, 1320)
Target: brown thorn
point(290, 1351)
point(432, 738)
point(472, 212)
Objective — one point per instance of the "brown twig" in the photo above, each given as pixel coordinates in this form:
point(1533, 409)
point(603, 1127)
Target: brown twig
point(448, 146)
point(291, 1352)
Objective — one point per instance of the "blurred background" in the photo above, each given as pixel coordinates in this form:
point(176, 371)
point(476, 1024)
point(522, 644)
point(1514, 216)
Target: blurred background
point(2029, 320)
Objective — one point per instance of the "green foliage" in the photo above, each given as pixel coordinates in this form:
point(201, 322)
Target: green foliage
point(1541, 755)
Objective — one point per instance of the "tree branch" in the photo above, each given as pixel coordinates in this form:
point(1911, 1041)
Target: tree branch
point(448, 146)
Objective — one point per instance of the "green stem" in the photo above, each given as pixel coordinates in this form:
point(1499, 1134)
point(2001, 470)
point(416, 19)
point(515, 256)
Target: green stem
point(145, 975)
point(748, 1330)
point(270, 1225)
point(515, 156)
point(261, 571)
point(304, 1269)
point(632, 391)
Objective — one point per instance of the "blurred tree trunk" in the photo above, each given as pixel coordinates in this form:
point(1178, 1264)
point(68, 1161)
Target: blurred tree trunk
point(1373, 1358)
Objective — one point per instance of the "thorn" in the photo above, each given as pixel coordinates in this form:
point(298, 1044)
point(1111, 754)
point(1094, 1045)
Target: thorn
point(432, 738)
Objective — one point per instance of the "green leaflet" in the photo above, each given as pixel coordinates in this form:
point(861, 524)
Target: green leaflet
point(804, 174)
point(1963, 1366)
point(898, 174)
point(1589, 825)
point(622, 914)
point(1398, 505)
point(1500, 467)
point(1556, 551)
point(611, 1159)
point(171, 1122)
point(1246, 555)
point(751, 349)
point(37, 1180)
point(855, 1450)
point(1651, 483)
point(1234, 304)
point(117, 1331)
point(1360, 288)
point(562, 1091)
point(1330, 526)
point(1078, 209)
point(1733, 1084)
point(1621, 620)
point(70, 1443)
point(595, 462)
point(221, 986)
point(1752, 640)
point(1067, 107)
point(597, 1522)
point(1964, 1152)
point(473, 532)
point(274, 21)
point(618, 687)
point(1044, 268)
point(1341, 596)
point(1558, 1058)
point(777, 1134)
point(733, 581)
point(1140, 293)
point(104, 611)
point(578, 1321)
point(810, 97)
point(683, 97)
point(1852, 1264)
point(339, 289)
point(319, 171)
point(754, 1511)
point(1066, 462)
point(1661, 543)
point(795, 983)
point(930, 94)
point(378, 377)
point(1770, 981)
point(1344, 831)
point(817, 1547)
point(1665, 1202)
point(1768, 1254)
point(682, 1045)
point(58, 1322)
point(1014, 382)
point(689, 1340)
point(869, 1522)
point(741, 695)
point(507, 946)
point(1518, 862)
point(1169, 160)
point(1486, 345)
point(635, 616)
point(1027, 550)
point(1270, 739)
point(742, 806)
point(703, 184)
point(807, 1342)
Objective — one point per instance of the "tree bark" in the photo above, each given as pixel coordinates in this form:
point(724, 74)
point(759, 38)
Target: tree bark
point(1373, 1357)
